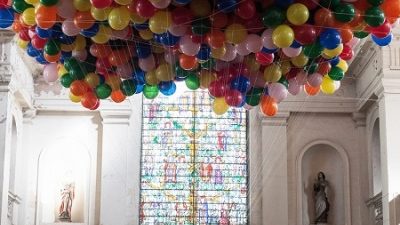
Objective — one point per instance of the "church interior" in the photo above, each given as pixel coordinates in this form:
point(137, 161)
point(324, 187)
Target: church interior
point(199, 112)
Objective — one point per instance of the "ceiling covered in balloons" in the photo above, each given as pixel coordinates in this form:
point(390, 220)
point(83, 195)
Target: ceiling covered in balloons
point(244, 52)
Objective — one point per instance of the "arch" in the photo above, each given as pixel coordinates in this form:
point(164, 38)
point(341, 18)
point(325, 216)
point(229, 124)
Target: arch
point(50, 156)
point(375, 147)
point(346, 178)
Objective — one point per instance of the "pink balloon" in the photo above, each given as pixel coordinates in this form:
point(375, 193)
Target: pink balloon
point(292, 52)
point(241, 49)
point(294, 88)
point(314, 79)
point(301, 77)
point(121, 34)
point(178, 30)
point(124, 71)
point(253, 43)
point(68, 27)
point(66, 9)
point(147, 64)
point(50, 72)
point(230, 53)
point(266, 39)
point(277, 91)
point(81, 55)
point(188, 47)
point(161, 4)
point(170, 57)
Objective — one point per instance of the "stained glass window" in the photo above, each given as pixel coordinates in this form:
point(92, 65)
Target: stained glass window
point(193, 163)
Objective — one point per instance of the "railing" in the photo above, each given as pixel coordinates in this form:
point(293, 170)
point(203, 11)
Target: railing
point(375, 203)
point(12, 199)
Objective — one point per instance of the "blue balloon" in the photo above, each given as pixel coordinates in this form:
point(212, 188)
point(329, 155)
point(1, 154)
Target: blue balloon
point(56, 30)
point(90, 32)
point(168, 39)
point(139, 76)
point(334, 61)
point(269, 51)
point(382, 41)
point(143, 50)
point(32, 51)
point(295, 44)
point(141, 26)
point(40, 59)
point(65, 39)
point(43, 33)
point(330, 38)
point(226, 6)
point(6, 17)
point(204, 52)
point(182, 2)
point(240, 83)
point(167, 88)
point(139, 88)
point(283, 3)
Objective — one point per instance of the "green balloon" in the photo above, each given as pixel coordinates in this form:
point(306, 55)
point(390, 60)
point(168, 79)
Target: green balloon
point(192, 82)
point(48, 2)
point(312, 68)
point(273, 17)
point(314, 50)
point(52, 47)
point(78, 72)
point(374, 16)
point(128, 87)
point(20, 5)
point(71, 63)
point(253, 96)
point(150, 91)
point(209, 64)
point(66, 80)
point(181, 73)
point(103, 91)
point(360, 34)
point(284, 81)
point(375, 2)
point(336, 73)
point(344, 12)
point(329, 3)
point(201, 26)
point(89, 67)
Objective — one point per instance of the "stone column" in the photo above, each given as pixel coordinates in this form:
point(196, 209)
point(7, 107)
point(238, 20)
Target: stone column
point(274, 170)
point(5, 121)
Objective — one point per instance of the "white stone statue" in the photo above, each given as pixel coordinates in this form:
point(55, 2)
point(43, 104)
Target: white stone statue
point(67, 198)
point(321, 199)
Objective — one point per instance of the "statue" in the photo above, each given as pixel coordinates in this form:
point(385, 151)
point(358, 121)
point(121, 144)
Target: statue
point(321, 199)
point(67, 197)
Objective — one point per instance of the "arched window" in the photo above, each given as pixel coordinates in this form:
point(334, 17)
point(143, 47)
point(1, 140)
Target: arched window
point(193, 163)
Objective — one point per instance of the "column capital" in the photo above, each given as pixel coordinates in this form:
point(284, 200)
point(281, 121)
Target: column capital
point(359, 119)
point(120, 116)
point(280, 119)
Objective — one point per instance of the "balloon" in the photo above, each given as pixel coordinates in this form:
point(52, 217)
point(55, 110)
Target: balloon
point(269, 107)
point(235, 33)
point(50, 73)
point(305, 34)
point(253, 43)
point(374, 16)
point(283, 36)
point(330, 38)
point(273, 17)
point(6, 17)
point(117, 96)
point(119, 18)
point(382, 41)
point(277, 91)
point(89, 100)
point(128, 87)
point(234, 98)
point(160, 22)
point(328, 86)
point(220, 106)
point(297, 14)
point(344, 12)
point(103, 91)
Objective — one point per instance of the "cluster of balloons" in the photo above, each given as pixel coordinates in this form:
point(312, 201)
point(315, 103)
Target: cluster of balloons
point(245, 52)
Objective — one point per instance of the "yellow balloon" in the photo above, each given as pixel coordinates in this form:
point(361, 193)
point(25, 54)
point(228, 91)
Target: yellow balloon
point(286, 66)
point(235, 33)
point(252, 63)
point(80, 43)
point(100, 14)
point(119, 18)
point(22, 44)
point(200, 8)
point(74, 98)
point(123, 2)
point(146, 34)
point(114, 82)
point(164, 72)
point(160, 22)
point(300, 60)
point(220, 106)
point(283, 36)
point(218, 53)
point(67, 48)
point(328, 86)
point(82, 5)
point(92, 79)
point(103, 35)
point(28, 16)
point(330, 53)
point(151, 78)
point(343, 65)
point(272, 73)
point(297, 14)
point(206, 77)
point(32, 2)
point(135, 18)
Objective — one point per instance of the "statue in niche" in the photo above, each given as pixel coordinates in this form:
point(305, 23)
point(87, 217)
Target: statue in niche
point(67, 198)
point(321, 199)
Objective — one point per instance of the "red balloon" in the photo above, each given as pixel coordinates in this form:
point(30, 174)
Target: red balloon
point(145, 9)
point(382, 30)
point(38, 42)
point(101, 4)
point(233, 98)
point(79, 87)
point(292, 73)
point(324, 68)
point(305, 34)
point(264, 58)
point(89, 100)
point(347, 53)
point(24, 35)
point(217, 88)
point(181, 15)
point(254, 24)
point(246, 9)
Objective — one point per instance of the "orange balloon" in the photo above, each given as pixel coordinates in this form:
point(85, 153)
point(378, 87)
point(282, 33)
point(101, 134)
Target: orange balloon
point(17, 26)
point(219, 20)
point(188, 62)
point(361, 5)
point(83, 20)
point(89, 100)
point(79, 87)
point(324, 18)
point(52, 58)
point(119, 57)
point(310, 90)
point(216, 39)
point(118, 96)
point(391, 8)
point(46, 16)
point(100, 50)
point(346, 34)
point(268, 106)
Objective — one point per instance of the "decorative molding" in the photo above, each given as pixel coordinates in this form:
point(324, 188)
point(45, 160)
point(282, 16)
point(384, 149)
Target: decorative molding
point(360, 119)
point(280, 119)
point(114, 116)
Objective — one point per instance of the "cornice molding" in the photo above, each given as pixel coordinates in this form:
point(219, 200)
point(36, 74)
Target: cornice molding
point(360, 119)
point(280, 119)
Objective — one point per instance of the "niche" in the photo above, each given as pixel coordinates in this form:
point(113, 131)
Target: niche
point(325, 158)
